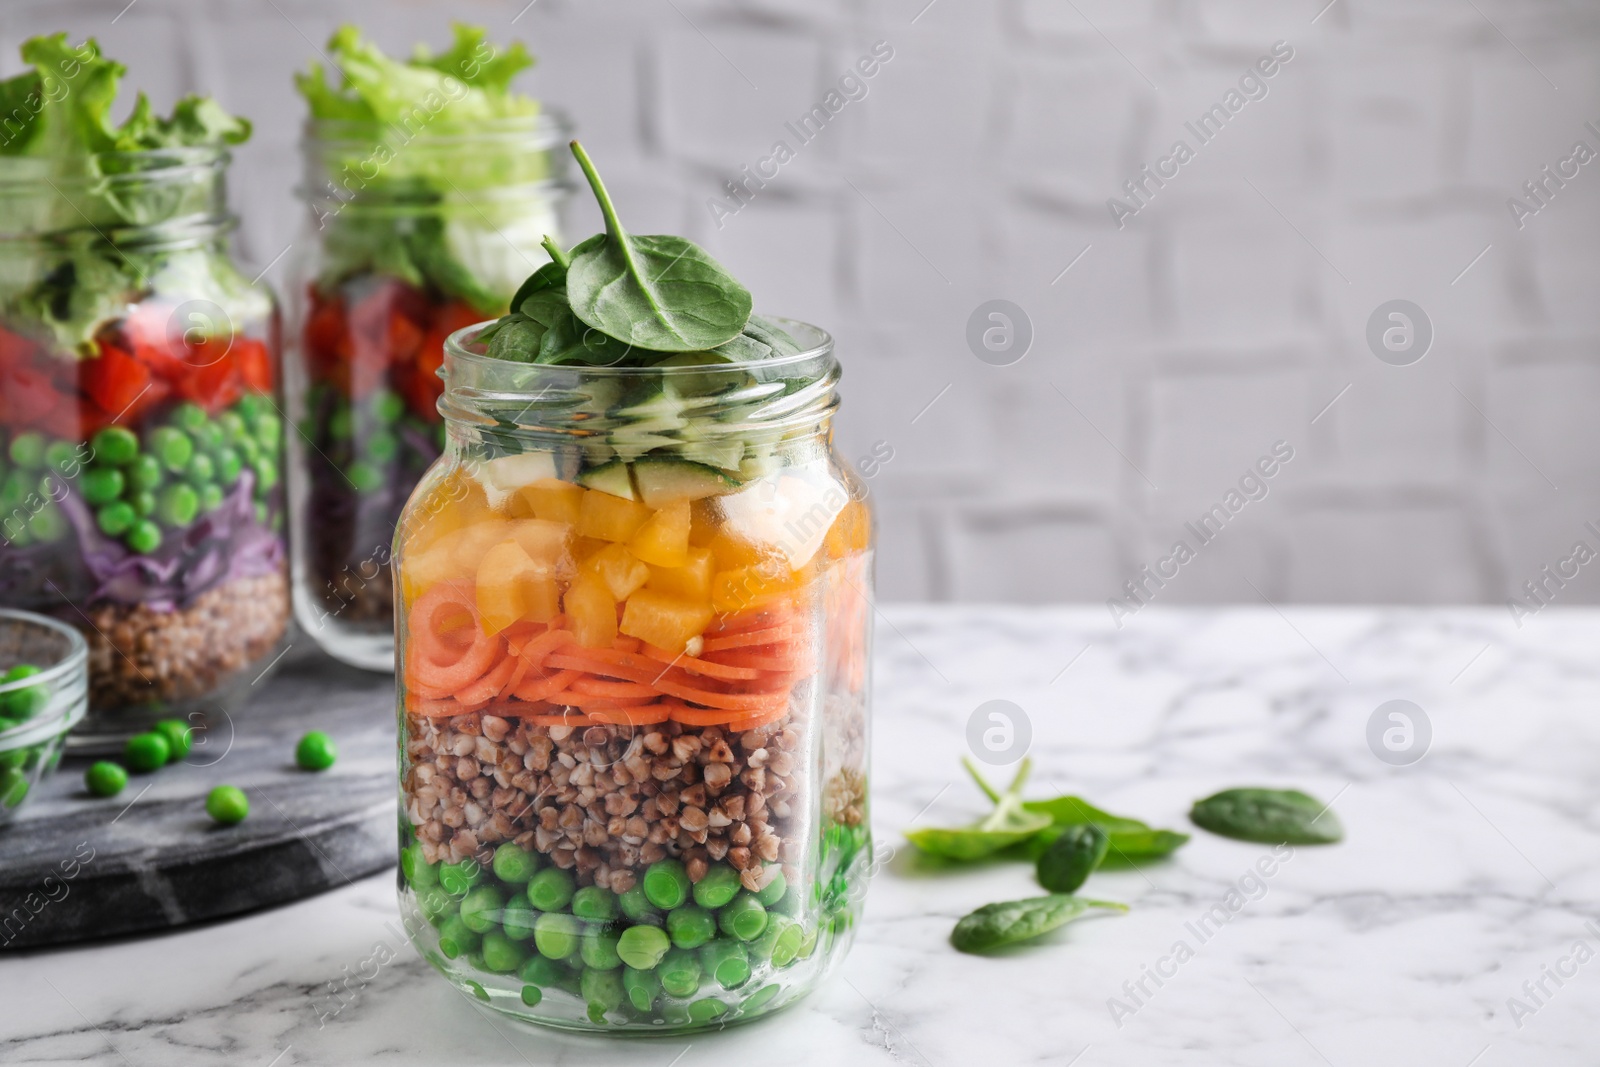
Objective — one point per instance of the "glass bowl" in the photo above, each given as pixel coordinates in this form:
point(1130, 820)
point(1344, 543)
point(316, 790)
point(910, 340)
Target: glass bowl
point(38, 710)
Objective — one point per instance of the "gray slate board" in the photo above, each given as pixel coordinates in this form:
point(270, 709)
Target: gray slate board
point(74, 867)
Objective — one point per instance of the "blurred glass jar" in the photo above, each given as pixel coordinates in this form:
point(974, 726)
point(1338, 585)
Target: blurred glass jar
point(634, 633)
point(412, 234)
point(141, 498)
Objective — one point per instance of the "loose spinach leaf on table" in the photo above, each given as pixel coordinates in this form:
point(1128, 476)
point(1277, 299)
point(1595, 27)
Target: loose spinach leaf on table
point(656, 291)
point(1130, 840)
point(1268, 816)
point(996, 925)
point(1069, 860)
point(1007, 825)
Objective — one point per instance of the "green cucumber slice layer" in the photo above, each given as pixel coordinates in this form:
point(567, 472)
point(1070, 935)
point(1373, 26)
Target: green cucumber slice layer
point(663, 481)
point(609, 478)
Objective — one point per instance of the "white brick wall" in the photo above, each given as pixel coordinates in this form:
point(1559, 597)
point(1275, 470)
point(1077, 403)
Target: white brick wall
point(1225, 315)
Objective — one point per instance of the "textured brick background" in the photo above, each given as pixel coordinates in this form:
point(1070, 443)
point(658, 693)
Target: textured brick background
point(1228, 314)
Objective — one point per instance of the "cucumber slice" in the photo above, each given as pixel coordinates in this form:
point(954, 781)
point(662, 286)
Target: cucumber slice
point(725, 453)
point(609, 478)
point(663, 481)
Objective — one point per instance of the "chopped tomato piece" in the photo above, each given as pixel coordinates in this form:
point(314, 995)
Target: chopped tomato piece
point(254, 363)
point(114, 379)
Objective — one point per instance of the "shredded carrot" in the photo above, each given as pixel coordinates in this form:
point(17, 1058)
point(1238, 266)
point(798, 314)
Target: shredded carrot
point(438, 661)
point(545, 688)
point(561, 720)
point(644, 715)
point(701, 666)
point(599, 687)
point(765, 636)
point(490, 685)
point(711, 717)
point(588, 700)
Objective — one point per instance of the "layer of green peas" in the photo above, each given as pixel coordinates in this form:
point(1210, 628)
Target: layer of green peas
point(141, 490)
point(667, 949)
point(17, 706)
point(363, 436)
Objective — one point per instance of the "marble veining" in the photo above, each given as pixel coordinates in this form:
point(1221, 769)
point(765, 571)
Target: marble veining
point(1464, 886)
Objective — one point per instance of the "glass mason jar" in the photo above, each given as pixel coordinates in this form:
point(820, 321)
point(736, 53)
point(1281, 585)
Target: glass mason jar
point(141, 498)
point(633, 662)
point(413, 234)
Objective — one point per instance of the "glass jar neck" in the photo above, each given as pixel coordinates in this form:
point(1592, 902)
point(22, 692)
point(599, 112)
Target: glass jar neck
point(156, 197)
point(691, 410)
point(421, 166)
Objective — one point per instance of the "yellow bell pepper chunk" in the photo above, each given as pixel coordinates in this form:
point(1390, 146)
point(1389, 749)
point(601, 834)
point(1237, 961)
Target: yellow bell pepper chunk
point(592, 611)
point(553, 500)
point(618, 569)
point(610, 518)
point(663, 541)
point(512, 586)
point(664, 621)
point(743, 588)
point(691, 581)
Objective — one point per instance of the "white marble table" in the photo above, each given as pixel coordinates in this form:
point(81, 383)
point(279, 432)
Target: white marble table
point(1463, 876)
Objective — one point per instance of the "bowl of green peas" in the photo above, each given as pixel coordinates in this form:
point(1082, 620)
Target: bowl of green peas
point(44, 693)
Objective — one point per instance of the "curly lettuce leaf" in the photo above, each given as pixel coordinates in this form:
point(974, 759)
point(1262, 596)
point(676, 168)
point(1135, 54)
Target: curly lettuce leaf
point(61, 108)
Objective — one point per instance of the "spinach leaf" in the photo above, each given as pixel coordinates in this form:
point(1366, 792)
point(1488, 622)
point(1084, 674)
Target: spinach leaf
point(996, 925)
point(1268, 816)
point(515, 339)
point(656, 291)
point(1129, 839)
point(1069, 860)
point(1007, 825)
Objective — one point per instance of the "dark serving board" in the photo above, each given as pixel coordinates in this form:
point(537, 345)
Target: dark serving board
point(74, 867)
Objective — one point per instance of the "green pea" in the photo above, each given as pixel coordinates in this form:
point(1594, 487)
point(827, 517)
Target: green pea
point(268, 430)
point(666, 884)
point(14, 786)
point(144, 538)
point(266, 473)
point(341, 424)
point(435, 904)
point(202, 469)
point(551, 889)
point(227, 804)
point(365, 477)
point(414, 866)
point(381, 448)
point(233, 427)
point(228, 464)
point(250, 405)
point(773, 891)
point(61, 457)
point(456, 939)
point(531, 995)
point(209, 436)
point(481, 908)
point(599, 947)
point(745, 918)
point(115, 445)
point(759, 999)
point(475, 988)
point(388, 406)
point(457, 878)
point(262, 513)
point(786, 946)
point(706, 1009)
point(720, 885)
point(315, 752)
point(15, 758)
point(172, 447)
point(105, 779)
point(502, 955)
point(518, 917)
point(211, 498)
point(14, 490)
point(102, 485)
point(636, 906)
point(601, 992)
point(143, 503)
point(557, 934)
point(189, 416)
point(27, 450)
point(544, 971)
point(179, 735)
point(595, 902)
point(48, 524)
point(691, 926)
point(145, 472)
point(514, 864)
point(643, 946)
point(17, 534)
point(147, 752)
point(642, 988)
point(726, 961)
point(27, 701)
point(178, 504)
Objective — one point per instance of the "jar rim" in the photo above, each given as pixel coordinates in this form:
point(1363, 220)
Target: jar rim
point(818, 345)
point(548, 127)
point(189, 162)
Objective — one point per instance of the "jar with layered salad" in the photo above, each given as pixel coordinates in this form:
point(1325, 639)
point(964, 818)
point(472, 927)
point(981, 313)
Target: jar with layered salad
point(141, 499)
point(430, 189)
point(633, 629)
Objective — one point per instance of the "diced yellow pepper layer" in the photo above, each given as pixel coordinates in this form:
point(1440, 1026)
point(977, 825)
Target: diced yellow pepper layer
point(664, 621)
